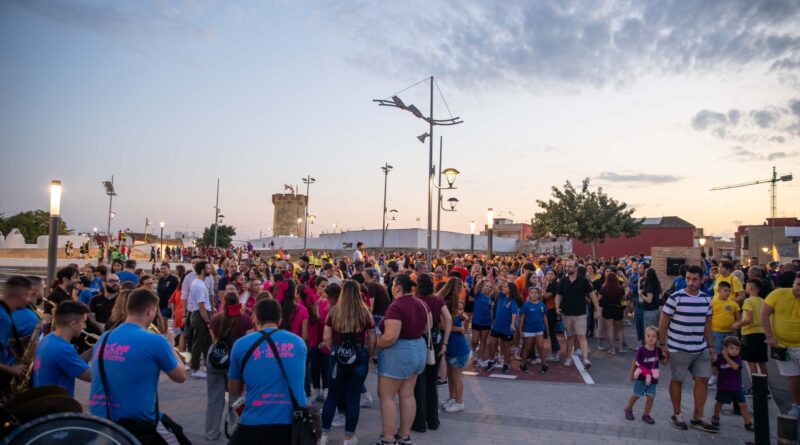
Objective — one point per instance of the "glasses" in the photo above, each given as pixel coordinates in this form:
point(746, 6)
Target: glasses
point(112, 281)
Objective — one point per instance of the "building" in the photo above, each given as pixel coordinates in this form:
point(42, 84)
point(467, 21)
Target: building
point(770, 241)
point(506, 228)
point(289, 213)
point(666, 231)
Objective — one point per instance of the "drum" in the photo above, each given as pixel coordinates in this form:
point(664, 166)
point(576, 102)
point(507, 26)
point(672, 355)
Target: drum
point(69, 429)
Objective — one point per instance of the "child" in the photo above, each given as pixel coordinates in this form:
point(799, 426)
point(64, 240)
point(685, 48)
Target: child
point(458, 353)
point(534, 327)
point(506, 311)
point(644, 375)
point(754, 341)
point(724, 313)
point(729, 387)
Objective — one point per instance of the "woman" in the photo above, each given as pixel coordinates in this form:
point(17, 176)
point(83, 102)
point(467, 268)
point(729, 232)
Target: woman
point(591, 273)
point(319, 359)
point(482, 321)
point(425, 389)
point(308, 298)
point(458, 352)
point(650, 298)
point(296, 321)
point(550, 290)
point(611, 295)
point(229, 325)
point(506, 312)
point(401, 357)
point(349, 334)
point(118, 311)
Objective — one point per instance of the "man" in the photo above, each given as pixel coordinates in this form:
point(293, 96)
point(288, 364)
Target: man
point(686, 342)
point(199, 308)
point(146, 282)
point(358, 271)
point(330, 275)
point(267, 416)
point(358, 255)
point(152, 254)
point(167, 285)
point(101, 305)
point(377, 295)
point(782, 331)
point(227, 279)
point(25, 319)
point(18, 292)
point(129, 273)
point(67, 279)
point(574, 292)
point(57, 362)
point(458, 266)
point(124, 390)
point(726, 274)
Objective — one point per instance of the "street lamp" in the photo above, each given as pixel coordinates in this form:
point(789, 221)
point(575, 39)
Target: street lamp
point(55, 219)
point(109, 185)
point(396, 102)
point(95, 235)
point(702, 242)
point(490, 230)
point(386, 169)
point(161, 249)
point(472, 237)
point(450, 174)
point(765, 249)
point(308, 180)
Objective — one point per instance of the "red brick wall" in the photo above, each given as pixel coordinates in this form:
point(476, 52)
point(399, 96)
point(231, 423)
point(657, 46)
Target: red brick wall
point(648, 238)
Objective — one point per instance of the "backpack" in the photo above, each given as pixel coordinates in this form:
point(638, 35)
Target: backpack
point(347, 353)
point(220, 353)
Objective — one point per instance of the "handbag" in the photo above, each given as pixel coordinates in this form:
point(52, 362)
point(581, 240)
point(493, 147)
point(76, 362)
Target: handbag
point(306, 422)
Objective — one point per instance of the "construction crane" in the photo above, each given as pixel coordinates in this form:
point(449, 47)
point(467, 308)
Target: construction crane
point(773, 188)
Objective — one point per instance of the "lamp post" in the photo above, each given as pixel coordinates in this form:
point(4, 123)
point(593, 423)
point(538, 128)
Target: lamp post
point(702, 242)
point(396, 102)
point(490, 230)
point(386, 169)
point(95, 235)
point(109, 185)
point(216, 216)
point(55, 219)
point(472, 237)
point(308, 180)
point(161, 242)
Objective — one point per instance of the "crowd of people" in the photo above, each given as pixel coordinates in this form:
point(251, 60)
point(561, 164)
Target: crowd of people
point(310, 329)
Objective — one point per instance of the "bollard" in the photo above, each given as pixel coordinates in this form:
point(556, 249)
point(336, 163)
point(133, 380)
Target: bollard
point(787, 430)
point(760, 409)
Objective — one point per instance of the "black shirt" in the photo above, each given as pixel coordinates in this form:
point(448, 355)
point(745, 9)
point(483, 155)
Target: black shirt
point(574, 294)
point(101, 306)
point(56, 297)
point(380, 298)
point(166, 287)
point(655, 289)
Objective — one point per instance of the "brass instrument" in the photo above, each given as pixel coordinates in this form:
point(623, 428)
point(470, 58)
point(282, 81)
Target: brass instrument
point(22, 383)
point(185, 357)
point(89, 335)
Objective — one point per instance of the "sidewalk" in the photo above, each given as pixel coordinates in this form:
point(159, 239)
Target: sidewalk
point(503, 412)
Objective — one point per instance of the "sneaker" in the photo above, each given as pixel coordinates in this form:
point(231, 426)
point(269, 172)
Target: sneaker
point(199, 374)
point(444, 404)
point(715, 421)
point(678, 422)
point(454, 407)
point(382, 441)
point(366, 400)
point(338, 420)
point(648, 420)
point(629, 414)
point(403, 440)
point(568, 362)
point(498, 364)
point(440, 382)
point(489, 365)
point(702, 425)
point(587, 365)
point(601, 347)
point(749, 426)
point(578, 351)
point(523, 368)
point(543, 370)
point(712, 381)
point(351, 441)
point(505, 368)
point(323, 440)
point(536, 361)
point(554, 358)
point(622, 350)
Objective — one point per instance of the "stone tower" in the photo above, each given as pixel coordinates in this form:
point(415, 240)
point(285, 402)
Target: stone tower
point(288, 208)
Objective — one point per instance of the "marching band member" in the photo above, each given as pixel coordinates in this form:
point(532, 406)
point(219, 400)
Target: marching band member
point(57, 362)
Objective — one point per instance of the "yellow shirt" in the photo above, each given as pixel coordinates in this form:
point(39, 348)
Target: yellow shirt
point(736, 285)
point(723, 314)
point(754, 305)
point(786, 317)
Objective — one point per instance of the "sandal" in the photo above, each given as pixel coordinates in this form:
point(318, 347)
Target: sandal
point(403, 440)
point(383, 442)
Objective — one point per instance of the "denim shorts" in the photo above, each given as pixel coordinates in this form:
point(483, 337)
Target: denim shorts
point(458, 361)
point(719, 339)
point(641, 389)
point(405, 358)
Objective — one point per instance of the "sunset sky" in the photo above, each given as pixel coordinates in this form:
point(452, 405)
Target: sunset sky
point(657, 102)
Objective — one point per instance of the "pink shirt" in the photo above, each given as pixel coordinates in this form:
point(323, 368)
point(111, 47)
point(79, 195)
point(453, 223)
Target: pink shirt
point(296, 323)
point(323, 308)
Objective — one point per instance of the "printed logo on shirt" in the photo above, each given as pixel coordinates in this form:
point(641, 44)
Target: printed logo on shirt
point(113, 352)
point(729, 308)
point(102, 400)
point(286, 350)
point(271, 399)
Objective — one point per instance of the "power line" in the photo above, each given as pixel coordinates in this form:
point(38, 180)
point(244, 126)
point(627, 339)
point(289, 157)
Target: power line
point(408, 88)
point(442, 96)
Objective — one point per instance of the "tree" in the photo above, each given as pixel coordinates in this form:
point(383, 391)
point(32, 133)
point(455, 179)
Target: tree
point(589, 216)
point(31, 224)
point(225, 236)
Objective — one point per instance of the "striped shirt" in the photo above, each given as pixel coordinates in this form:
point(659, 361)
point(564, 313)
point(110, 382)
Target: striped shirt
point(686, 330)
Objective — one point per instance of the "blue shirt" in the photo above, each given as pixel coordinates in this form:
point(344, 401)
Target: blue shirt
point(503, 311)
point(97, 283)
point(57, 363)
point(125, 275)
point(7, 357)
point(25, 321)
point(267, 400)
point(482, 310)
point(86, 295)
point(679, 283)
point(457, 345)
point(534, 314)
point(133, 360)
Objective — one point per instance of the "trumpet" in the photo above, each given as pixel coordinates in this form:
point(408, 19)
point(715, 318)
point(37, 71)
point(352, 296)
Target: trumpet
point(89, 335)
point(185, 357)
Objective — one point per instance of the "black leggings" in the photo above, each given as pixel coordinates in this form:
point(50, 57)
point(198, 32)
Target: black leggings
point(552, 319)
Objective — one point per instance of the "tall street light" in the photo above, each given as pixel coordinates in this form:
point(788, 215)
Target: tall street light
point(55, 219)
point(396, 102)
point(308, 180)
point(95, 235)
point(109, 185)
point(702, 242)
point(161, 249)
point(472, 237)
point(216, 216)
point(386, 169)
point(490, 230)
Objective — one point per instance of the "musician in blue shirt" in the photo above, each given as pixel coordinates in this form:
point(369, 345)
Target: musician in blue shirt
point(57, 362)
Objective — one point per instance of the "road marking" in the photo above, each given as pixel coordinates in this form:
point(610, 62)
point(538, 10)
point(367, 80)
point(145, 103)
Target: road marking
point(503, 376)
point(579, 366)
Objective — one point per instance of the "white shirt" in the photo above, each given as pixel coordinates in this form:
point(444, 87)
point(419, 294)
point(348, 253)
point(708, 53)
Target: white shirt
point(198, 294)
point(358, 256)
point(187, 284)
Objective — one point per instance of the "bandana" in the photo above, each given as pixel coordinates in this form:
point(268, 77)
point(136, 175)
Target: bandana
point(233, 310)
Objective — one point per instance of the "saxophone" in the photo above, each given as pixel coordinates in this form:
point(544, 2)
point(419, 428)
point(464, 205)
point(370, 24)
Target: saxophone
point(20, 384)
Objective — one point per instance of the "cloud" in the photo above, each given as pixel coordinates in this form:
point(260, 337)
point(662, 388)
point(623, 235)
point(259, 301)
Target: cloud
point(743, 154)
point(780, 155)
point(763, 118)
point(565, 42)
point(638, 178)
point(705, 119)
point(734, 116)
point(771, 124)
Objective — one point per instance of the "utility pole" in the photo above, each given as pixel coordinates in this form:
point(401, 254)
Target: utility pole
point(111, 193)
point(386, 168)
point(146, 226)
point(308, 180)
point(216, 216)
point(439, 202)
point(431, 171)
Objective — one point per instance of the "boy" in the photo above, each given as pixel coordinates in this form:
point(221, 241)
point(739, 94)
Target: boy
point(729, 388)
point(534, 327)
point(724, 313)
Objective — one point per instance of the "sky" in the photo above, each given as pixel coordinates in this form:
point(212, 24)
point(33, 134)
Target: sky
point(656, 102)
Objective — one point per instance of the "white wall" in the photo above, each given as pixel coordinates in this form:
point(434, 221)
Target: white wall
point(77, 240)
